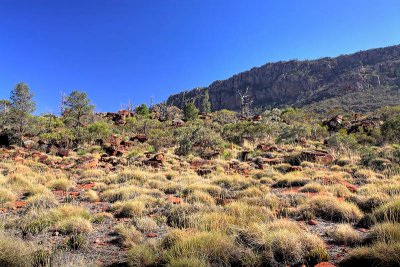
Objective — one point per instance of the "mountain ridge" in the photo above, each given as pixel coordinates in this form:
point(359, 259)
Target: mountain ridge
point(345, 81)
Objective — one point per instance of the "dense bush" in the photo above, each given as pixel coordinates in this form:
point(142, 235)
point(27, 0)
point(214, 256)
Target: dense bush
point(198, 140)
point(391, 129)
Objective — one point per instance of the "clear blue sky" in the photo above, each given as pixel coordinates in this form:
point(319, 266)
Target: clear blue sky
point(117, 50)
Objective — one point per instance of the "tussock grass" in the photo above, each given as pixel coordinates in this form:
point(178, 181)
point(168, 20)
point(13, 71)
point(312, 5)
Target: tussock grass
point(379, 254)
point(212, 221)
point(36, 221)
point(60, 184)
point(128, 235)
point(6, 196)
point(330, 208)
point(344, 234)
point(389, 211)
point(129, 208)
point(312, 188)
point(283, 242)
point(384, 232)
point(291, 179)
point(142, 255)
point(188, 262)
point(244, 213)
point(74, 225)
point(14, 252)
point(90, 195)
point(233, 182)
point(145, 224)
point(201, 197)
point(41, 202)
point(216, 248)
point(370, 202)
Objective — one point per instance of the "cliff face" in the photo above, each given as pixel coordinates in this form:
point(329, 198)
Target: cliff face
point(342, 81)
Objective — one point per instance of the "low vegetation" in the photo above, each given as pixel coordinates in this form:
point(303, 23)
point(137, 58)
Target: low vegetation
point(166, 187)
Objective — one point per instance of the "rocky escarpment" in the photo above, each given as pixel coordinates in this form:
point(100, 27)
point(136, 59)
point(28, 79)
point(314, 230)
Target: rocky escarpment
point(371, 75)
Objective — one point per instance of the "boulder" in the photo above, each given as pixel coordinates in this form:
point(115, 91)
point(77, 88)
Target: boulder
point(62, 152)
point(178, 122)
point(319, 156)
point(268, 148)
point(174, 200)
point(334, 124)
point(140, 138)
point(29, 144)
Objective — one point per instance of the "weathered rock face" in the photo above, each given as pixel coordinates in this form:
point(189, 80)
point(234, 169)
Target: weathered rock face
point(374, 73)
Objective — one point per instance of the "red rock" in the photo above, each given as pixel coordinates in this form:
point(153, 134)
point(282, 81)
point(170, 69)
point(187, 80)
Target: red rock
point(62, 152)
point(174, 200)
point(90, 164)
point(319, 156)
point(74, 194)
point(274, 161)
point(139, 137)
point(312, 222)
point(324, 264)
point(268, 148)
point(350, 186)
point(199, 163)
point(19, 204)
point(152, 235)
point(86, 186)
point(59, 193)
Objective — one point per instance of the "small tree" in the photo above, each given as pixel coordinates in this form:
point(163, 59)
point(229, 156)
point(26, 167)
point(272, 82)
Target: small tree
point(142, 110)
point(21, 106)
point(205, 103)
point(78, 113)
point(77, 109)
point(196, 139)
point(391, 130)
point(190, 111)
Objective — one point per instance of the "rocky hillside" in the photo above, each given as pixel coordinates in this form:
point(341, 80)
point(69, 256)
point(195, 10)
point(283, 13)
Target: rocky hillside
point(358, 82)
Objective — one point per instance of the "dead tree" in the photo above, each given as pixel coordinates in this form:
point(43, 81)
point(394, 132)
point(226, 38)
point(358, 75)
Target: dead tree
point(245, 101)
point(62, 103)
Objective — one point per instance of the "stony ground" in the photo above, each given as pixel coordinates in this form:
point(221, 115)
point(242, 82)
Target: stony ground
point(270, 183)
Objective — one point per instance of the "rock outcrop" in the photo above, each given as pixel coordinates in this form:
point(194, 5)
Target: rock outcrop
point(341, 81)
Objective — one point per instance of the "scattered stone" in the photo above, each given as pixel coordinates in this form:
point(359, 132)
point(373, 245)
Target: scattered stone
point(174, 200)
point(319, 156)
point(152, 235)
point(178, 122)
point(268, 148)
point(312, 222)
point(324, 264)
point(334, 124)
point(140, 138)
point(62, 152)
point(29, 144)
point(204, 171)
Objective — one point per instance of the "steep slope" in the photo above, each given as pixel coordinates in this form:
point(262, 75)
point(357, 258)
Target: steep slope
point(361, 82)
